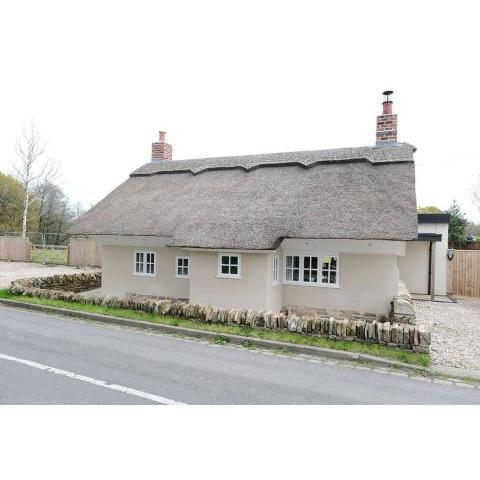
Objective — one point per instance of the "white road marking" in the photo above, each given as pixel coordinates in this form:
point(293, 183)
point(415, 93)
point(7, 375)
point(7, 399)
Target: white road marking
point(93, 381)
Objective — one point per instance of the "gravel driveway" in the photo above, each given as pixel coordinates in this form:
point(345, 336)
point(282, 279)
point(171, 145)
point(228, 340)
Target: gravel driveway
point(10, 271)
point(455, 331)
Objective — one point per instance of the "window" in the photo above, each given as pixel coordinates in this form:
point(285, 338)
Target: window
point(292, 269)
point(275, 270)
point(229, 265)
point(182, 268)
point(144, 263)
point(329, 270)
point(311, 270)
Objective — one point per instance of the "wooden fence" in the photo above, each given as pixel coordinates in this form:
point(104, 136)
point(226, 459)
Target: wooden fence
point(15, 248)
point(463, 273)
point(84, 252)
point(464, 246)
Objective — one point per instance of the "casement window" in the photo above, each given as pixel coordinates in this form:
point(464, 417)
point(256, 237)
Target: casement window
point(229, 265)
point(182, 267)
point(144, 263)
point(316, 270)
point(292, 268)
point(275, 269)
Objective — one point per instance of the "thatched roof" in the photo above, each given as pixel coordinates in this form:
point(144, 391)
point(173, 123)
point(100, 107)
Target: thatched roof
point(252, 202)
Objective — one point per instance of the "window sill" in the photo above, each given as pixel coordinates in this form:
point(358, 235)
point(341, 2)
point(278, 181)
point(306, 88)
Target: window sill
point(232, 277)
point(150, 275)
point(182, 277)
point(308, 284)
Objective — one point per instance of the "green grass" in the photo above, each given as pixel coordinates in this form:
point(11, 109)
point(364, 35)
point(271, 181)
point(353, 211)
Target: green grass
point(48, 255)
point(282, 336)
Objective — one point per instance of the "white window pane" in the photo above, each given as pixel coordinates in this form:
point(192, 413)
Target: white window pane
point(296, 275)
point(289, 262)
point(185, 270)
point(234, 260)
point(289, 274)
point(234, 270)
point(225, 260)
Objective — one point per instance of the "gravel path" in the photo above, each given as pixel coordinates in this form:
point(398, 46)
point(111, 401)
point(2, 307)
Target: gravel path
point(455, 331)
point(10, 271)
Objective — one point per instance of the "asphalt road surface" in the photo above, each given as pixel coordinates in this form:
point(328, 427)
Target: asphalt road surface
point(46, 359)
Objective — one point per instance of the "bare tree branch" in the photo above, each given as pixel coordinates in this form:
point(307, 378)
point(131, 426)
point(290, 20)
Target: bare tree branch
point(31, 168)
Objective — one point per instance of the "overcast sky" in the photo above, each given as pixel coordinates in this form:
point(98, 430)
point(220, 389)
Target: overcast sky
point(226, 78)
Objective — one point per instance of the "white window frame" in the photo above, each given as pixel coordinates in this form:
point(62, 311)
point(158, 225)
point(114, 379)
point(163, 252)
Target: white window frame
point(275, 270)
point(145, 253)
point(229, 275)
point(318, 283)
point(182, 257)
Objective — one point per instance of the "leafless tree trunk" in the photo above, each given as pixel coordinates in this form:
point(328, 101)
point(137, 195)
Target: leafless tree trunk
point(31, 168)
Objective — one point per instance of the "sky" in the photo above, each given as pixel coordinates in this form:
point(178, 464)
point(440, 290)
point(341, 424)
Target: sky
point(100, 79)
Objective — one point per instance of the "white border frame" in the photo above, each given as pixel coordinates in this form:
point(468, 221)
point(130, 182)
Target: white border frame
point(219, 265)
point(276, 283)
point(145, 263)
point(311, 284)
point(176, 266)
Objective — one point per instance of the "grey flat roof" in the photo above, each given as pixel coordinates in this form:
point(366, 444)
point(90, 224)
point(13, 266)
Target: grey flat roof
point(432, 237)
point(433, 217)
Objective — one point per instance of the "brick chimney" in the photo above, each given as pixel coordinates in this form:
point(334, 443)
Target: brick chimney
point(161, 150)
point(387, 122)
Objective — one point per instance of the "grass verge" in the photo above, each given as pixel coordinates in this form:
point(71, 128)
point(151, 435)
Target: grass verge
point(48, 255)
point(280, 336)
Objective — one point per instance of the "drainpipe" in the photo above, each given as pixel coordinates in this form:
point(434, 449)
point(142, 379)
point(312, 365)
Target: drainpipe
point(432, 271)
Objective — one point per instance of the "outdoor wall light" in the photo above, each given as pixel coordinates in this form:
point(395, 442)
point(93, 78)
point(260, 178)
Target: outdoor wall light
point(450, 253)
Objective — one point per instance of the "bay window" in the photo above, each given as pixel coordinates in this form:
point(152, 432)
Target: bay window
point(311, 270)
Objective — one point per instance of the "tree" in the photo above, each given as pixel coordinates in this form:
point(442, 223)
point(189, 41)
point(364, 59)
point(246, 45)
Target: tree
point(457, 226)
point(55, 211)
point(429, 209)
point(473, 229)
point(11, 197)
point(31, 168)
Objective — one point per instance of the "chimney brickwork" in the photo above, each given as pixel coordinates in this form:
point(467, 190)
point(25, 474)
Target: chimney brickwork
point(387, 123)
point(161, 150)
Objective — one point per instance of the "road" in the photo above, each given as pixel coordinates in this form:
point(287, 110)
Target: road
point(46, 359)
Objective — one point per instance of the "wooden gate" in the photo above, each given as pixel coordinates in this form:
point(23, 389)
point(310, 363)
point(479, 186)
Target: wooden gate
point(463, 273)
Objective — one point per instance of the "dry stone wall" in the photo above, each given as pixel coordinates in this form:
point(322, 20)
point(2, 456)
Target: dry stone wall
point(403, 309)
point(392, 334)
point(75, 282)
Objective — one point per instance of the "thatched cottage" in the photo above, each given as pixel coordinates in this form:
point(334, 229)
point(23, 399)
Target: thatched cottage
point(317, 229)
